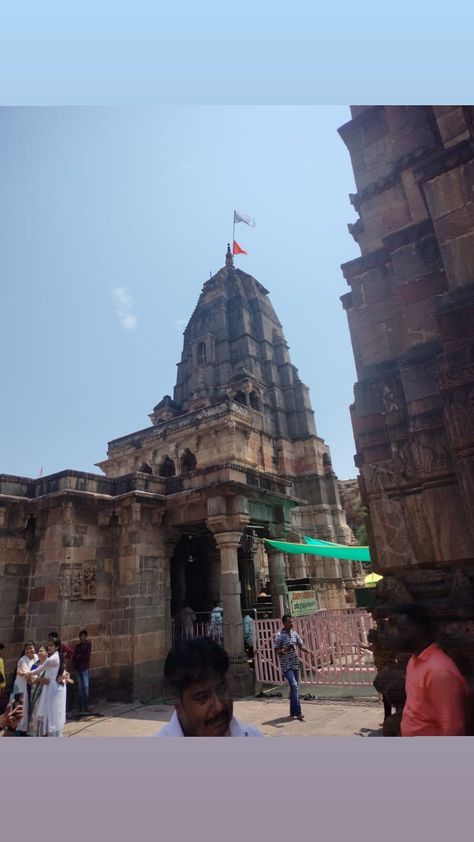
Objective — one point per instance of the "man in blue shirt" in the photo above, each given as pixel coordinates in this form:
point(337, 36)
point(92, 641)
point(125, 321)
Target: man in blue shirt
point(288, 644)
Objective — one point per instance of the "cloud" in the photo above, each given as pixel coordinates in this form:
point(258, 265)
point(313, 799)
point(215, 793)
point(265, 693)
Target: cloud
point(180, 323)
point(124, 308)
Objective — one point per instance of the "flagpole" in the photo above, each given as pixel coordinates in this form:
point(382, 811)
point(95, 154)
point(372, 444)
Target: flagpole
point(233, 234)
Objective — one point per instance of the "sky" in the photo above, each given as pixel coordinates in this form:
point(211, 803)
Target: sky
point(111, 220)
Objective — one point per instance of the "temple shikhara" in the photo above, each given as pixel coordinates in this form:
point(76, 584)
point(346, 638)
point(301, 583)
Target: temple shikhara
point(178, 514)
point(411, 316)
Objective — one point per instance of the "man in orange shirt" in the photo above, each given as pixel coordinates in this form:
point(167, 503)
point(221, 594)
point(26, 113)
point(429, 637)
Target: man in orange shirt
point(437, 693)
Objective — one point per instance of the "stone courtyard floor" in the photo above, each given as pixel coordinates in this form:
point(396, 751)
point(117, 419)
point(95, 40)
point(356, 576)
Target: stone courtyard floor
point(330, 715)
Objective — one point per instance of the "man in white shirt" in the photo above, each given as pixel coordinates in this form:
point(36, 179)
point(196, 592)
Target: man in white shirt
point(197, 672)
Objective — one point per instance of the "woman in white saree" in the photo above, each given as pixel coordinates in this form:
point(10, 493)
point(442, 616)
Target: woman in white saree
point(20, 685)
point(51, 708)
point(37, 681)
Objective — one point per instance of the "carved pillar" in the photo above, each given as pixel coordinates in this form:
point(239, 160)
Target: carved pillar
point(240, 675)
point(228, 543)
point(172, 537)
point(227, 519)
point(278, 589)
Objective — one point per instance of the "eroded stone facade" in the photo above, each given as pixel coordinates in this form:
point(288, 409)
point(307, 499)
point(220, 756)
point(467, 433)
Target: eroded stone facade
point(411, 318)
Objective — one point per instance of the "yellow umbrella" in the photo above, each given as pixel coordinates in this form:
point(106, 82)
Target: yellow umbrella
point(371, 580)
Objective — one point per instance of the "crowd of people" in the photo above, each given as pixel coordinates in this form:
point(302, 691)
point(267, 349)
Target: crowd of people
point(38, 694)
point(422, 690)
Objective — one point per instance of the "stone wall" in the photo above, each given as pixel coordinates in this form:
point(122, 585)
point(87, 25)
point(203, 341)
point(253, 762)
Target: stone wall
point(80, 564)
point(411, 318)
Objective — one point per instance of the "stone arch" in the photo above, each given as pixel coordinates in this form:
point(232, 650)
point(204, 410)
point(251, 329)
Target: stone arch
point(201, 354)
point(145, 468)
point(188, 462)
point(241, 397)
point(167, 468)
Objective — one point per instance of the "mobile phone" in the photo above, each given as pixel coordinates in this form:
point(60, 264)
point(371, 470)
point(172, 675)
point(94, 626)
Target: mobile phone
point(17, 700)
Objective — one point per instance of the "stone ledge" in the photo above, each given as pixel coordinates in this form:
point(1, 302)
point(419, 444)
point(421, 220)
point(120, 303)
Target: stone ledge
point(364, 263)
point(383, 183)
point(444, 161)
point(357, 122)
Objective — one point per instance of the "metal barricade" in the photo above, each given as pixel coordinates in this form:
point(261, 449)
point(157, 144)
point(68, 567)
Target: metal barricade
point(337, 640)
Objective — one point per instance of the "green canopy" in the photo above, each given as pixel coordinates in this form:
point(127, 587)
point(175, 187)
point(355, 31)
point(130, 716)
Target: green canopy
point(322, 548)
point(319, 542)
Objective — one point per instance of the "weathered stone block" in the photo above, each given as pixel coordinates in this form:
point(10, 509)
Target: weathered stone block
point(456, 223)
point(422, 288)
point(452, 125)
point(444, 193)
point(458, 258)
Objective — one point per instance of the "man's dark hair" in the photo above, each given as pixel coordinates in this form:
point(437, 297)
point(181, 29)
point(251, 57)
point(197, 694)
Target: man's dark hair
point(196, 660)
point(53, 635)
point(82, 631)
point(286, 617)
point(2, 646)
point(418, 615)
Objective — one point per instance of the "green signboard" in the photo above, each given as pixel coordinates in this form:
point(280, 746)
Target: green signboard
point(303, 603)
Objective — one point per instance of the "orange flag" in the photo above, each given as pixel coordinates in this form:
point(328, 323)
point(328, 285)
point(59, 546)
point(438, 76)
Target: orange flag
point(237, 250)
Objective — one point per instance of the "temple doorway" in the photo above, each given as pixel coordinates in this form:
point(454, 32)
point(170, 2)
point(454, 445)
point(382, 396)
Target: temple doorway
point(195, 572)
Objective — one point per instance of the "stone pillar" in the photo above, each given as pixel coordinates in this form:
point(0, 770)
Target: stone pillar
point(278, 589)
point(172, 537)
point(240, 674)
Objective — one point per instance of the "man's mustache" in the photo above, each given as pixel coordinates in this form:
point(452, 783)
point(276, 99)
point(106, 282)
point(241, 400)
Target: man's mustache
point(221, 717)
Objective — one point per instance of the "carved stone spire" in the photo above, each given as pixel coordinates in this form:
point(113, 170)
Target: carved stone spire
point(229, 260)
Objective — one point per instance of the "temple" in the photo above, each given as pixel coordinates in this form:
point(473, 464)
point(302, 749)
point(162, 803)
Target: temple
point(178, 515)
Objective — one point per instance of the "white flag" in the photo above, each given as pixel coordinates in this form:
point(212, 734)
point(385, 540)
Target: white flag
point(242, 217)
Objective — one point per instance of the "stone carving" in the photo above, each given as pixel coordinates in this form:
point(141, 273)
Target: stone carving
point(402, 459)
point(76, 583)
point(378, 476)
point(431, 454)
point(389, 401)
point(89, 584)
point(388, 523)
point(103, 518)
point(64, 583)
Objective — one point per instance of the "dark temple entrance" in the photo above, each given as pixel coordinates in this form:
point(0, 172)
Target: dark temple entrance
point(195, 572)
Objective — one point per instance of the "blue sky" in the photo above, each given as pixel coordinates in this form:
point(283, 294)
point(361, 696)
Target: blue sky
point(111, 219)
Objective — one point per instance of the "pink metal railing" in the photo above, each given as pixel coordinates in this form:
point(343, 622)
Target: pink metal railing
point(337, 639)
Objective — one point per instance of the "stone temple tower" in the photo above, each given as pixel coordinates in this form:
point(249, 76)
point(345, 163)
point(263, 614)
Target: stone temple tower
point(234, 348)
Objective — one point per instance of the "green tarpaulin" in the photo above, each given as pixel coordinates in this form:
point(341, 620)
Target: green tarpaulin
point(318, 542)
point(322, 548)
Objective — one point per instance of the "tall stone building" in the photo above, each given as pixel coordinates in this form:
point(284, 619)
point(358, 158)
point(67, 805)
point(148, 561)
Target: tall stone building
point(234, 456)
point(411, 317)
